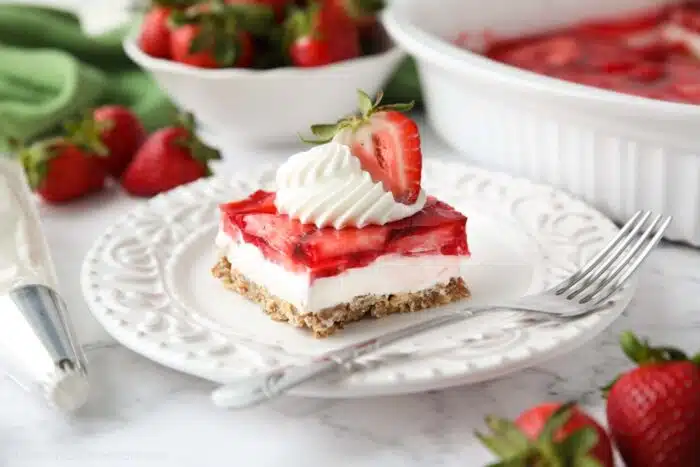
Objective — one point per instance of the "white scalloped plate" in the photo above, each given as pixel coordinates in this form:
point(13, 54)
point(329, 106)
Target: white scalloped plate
point(147, 280)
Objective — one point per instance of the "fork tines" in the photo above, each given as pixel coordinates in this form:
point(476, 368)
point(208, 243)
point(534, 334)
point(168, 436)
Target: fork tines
point(610, 269)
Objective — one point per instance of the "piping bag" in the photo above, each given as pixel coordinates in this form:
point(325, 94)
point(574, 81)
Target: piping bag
point(37, 345)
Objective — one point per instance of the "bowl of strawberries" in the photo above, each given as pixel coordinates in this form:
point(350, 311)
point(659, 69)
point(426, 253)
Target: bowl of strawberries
point(261, 72)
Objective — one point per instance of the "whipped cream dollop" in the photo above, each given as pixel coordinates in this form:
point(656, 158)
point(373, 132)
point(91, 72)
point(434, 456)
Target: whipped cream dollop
point(327, 186)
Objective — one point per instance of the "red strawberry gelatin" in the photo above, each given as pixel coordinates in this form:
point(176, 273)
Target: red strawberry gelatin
point(438, 229)
point(653, 54)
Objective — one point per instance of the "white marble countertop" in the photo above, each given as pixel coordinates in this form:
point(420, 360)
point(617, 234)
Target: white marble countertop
point(144, 415)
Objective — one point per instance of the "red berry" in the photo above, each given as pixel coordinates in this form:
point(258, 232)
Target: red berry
point(310, 52)
point(533, 421)
point(654, 410)
point(550, 434)
point(170, 157)
point(154, 38)
point(122, 134)
point(321, 34)
point(61, 171)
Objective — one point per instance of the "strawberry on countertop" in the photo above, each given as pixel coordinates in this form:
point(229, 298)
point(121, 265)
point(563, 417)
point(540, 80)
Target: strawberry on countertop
point(67, 167)
point(386, 141)
point(653, 410)
point(170, 157)
point(122, 133)
point(549, 435)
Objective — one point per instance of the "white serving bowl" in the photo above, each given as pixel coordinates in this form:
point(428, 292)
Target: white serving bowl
point(245, 107)
point(619, 152)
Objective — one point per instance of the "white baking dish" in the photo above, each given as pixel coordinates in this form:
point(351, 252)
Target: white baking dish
point(619, 152)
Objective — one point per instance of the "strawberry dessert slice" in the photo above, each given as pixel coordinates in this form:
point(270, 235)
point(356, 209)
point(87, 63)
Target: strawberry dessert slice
point(349, 233)
point(321, 278)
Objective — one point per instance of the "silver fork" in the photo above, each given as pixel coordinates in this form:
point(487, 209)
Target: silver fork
point(585, 292)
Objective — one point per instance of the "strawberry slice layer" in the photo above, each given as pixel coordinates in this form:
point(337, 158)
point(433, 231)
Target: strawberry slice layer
point(436, 230)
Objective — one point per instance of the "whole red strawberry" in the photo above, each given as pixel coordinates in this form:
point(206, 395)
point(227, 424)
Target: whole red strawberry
point(549, 435)
point(67, 167)
point(154, 36)
point(217, 35)
point(387, 142)
point(122, 133)
point(170, 157)
point(320, 34)
point(654, 410)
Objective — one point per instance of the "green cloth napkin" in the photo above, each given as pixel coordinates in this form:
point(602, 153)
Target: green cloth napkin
point(51, 70)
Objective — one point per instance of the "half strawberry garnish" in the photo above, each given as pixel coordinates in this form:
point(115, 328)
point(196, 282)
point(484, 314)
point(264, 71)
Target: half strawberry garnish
point(386, 141)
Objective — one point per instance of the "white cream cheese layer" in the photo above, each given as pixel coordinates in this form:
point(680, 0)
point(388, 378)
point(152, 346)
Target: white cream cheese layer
point(386, 275)
point(327, 186)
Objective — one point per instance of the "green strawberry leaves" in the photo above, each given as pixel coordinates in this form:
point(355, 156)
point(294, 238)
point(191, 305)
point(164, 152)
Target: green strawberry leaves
point(86, 134)
point(642, 353)
point(256, 19)
point(197, 148)
point(577, 446)
point(325, 132)
point(220, 26)
point(365, 103)
point(82, 132)
point(506, 441)
point(515, 449)
point(34, 160)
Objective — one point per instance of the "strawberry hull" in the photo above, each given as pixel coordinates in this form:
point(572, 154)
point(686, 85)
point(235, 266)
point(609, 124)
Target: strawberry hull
point(436, 230)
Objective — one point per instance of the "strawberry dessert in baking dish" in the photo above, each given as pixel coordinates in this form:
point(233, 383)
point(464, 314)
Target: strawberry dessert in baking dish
point(654, 54)
point(349, 232)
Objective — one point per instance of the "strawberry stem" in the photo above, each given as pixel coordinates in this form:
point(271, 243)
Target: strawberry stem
point(326, 131)
point(515, 449)
point(35, 159)
point(221, 25)
point(300, 24)
point(642, 353)
point(86, 134)
point(197, 148)
point(363, 8)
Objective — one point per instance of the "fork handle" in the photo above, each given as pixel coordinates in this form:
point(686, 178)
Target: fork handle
point(257, 389)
